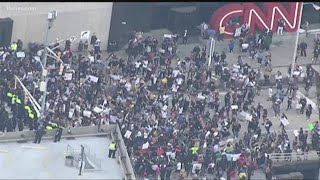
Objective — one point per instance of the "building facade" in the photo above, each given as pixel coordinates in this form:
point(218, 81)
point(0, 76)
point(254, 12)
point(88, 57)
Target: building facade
point(30, 20)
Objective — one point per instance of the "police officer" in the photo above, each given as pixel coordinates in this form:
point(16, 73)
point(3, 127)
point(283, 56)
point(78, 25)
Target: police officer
point(112, 150)
point(39, 133)
point(58, 134)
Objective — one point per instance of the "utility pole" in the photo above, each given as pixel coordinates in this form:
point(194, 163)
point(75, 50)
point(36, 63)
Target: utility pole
point(296, 44)
point(43, 84)
point(81, 163)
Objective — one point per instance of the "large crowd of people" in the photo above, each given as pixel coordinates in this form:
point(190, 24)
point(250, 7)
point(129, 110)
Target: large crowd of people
point(171, 111)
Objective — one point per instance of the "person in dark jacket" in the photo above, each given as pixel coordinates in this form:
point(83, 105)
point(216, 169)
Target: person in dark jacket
point(58, 134)
point(80, 46)
point(93, 39)
point(39, 133)
point(303, 47)
point(308, 111)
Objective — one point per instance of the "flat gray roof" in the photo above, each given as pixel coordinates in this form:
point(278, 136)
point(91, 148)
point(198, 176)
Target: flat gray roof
point(47, 160)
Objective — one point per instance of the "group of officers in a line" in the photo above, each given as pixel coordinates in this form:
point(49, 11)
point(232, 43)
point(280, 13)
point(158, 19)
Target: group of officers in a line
point(48, 126)
point(30, 117)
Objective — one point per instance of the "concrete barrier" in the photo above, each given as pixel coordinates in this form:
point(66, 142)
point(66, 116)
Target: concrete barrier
point(113, 129)
point(124, 158)
point(74, 132)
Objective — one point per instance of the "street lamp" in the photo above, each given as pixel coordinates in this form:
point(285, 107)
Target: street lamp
point(211, 51)
point(297, 36)
point(43, 84)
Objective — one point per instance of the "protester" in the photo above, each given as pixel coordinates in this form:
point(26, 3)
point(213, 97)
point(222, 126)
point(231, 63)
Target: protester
point(169, 108)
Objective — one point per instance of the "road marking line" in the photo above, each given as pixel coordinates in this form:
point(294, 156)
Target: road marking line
point(3, 151)
point(34, 147)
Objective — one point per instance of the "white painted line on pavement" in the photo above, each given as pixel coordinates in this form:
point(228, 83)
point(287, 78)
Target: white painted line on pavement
point(301, 31)
point(34, 147)
point(3, 151)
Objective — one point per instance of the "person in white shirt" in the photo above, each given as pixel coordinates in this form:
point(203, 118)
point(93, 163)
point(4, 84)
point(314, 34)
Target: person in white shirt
point(137, 65)
point(244, 47)
point(281, 25)
point(204, 27)
point(145, 66)
point(185, 37)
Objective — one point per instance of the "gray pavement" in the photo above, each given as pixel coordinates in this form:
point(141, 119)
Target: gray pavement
point(47, 160)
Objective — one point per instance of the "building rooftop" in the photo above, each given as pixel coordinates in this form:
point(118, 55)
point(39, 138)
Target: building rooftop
point(47, 160)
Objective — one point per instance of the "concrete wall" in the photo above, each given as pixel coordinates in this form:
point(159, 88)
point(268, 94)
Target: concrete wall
point(123, 155)
point(30, 20)
point(75, 132)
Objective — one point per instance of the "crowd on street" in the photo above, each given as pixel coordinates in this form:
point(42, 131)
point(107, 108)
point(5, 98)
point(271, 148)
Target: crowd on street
point(171, 110)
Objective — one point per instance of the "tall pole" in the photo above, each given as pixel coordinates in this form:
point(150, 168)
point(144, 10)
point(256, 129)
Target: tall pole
point(211, 51)
point(44, 73)
point(296, 43)
point(82, 154)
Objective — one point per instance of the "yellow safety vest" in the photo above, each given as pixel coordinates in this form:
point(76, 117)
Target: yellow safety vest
point(112, 146)
point(31, 115)
point(18, 101)
point(242, 175)
point(54, 125)
point(14, 47)
point(9, 94)
point(194, 149)
point(27, 108)
point(48, 128)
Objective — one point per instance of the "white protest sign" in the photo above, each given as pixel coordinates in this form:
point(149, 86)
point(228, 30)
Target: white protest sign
point(284, 121)
point(296, 133)
point(20, 54)
point(97, 110)
point(127, 134)
point(201, 97)
point(71, 112)
point(93, 78)
point(234, 107)
point(67, 76)
point(248, 117)
point(145, 145)
point(87, 113)
point(85, 34)
point(78, 108)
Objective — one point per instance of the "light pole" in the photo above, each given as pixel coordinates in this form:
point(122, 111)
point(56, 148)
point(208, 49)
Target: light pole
point(43, 84)
point(297, 36)
point(211, 51)
point(81, 163)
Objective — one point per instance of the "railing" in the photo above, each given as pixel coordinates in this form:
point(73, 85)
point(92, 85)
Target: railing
point(114, 130)
point(92, 157)
point(124, 158)
point(282, 158)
